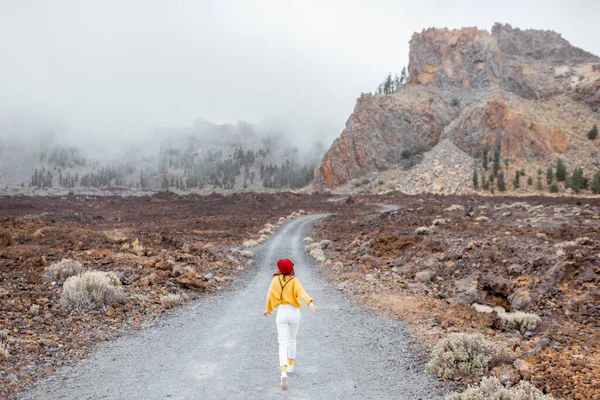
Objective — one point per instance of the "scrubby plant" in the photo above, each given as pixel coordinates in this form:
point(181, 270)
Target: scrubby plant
point(530, 181)
point(455, 207)
point(381, 183)
point(455, 102)
point(91, 290)
point(34, 309)
point(171, 300)
point(593, 133)
point(517, 179)
point(5, 239)
point(62, 270)
point(554, 187)
point(4, 354)
point(475, 179)
point(423, 230)
point(366, 181)
point(462, 355)
point(491, 388)
point(519, 320)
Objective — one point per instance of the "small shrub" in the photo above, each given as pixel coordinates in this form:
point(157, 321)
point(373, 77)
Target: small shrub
point(593, 133)
point(381, 183)
point(554, 188)
point(490, 388)
point(530, 181)
point(423, 230)
point(34, 309)
point(455, 207)
point(356, 184)
point(91, 290)
point(582, 241)
point(519, 320)
point(365, 181)
point(455, 102)
point(62, 270)
point(137, 247)
point(171, 300)
point(5, 239)
point(4, 354)
point(466, 355)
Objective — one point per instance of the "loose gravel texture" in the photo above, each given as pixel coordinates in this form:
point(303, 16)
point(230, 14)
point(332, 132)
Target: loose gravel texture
point(222, 347)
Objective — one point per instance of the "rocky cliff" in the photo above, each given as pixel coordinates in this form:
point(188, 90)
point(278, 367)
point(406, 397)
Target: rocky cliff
point(528, 94)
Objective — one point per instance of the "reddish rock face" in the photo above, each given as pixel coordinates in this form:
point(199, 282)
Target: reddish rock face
point(526, 93)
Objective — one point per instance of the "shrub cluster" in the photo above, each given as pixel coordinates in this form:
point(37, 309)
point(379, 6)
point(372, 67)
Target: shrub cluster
point(491, 389)
point(4, 354)
point(62, 270)
point(519, 320)
point(91, 290)
point(461, 355)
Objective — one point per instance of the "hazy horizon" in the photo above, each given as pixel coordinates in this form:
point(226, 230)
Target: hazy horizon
point(125, 69)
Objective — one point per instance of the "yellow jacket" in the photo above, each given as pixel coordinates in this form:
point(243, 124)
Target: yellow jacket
point(286, 289)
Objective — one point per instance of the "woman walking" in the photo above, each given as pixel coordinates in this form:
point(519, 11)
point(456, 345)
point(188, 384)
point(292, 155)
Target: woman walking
point(283, 293)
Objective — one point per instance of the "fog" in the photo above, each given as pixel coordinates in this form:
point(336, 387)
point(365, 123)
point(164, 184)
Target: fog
point(123, 69)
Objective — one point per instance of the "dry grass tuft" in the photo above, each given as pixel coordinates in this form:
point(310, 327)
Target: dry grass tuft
point(62, 270)
point(171, 300)
point(491, 389)
point(91, 290)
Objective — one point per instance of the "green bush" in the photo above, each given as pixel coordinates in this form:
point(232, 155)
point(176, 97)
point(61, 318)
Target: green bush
point(554, 187)
point(530, 181)
point(490, 388)
point(593, 133)
point(366, 181)
point(461, 355)
point(381, 182)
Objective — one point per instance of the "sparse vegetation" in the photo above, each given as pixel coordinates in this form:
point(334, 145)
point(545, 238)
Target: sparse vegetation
point(475, 179)
point(549, 176)
point(60, 271)
point(561, 170)
point(554, 187)
point(91, 290)
point(519, 320)
point(530, 181)
point(171, 300)
point(462, 355)
point(491, 388)
point(501, 183)
point(455, 102)
point(4, 354)
point(595, 184)
point(593, 133)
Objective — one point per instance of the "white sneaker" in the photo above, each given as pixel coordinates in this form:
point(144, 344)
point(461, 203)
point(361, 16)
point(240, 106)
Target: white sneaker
point(284, 381)
point(290, 369)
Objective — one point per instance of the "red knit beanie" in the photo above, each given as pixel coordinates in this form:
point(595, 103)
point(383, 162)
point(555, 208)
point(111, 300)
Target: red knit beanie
point(285, 266)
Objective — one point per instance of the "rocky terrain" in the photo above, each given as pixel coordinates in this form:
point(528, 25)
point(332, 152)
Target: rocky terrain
point(163, 249)
point(529, 95)
point(435, 257)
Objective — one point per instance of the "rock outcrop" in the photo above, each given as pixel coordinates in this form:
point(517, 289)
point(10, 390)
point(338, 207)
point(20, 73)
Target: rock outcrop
point(528, 94)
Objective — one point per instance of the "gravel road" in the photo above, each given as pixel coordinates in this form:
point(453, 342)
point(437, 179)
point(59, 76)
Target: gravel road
point(222, 347)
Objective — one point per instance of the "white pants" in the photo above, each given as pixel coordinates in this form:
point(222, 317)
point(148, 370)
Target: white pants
point(288, 321)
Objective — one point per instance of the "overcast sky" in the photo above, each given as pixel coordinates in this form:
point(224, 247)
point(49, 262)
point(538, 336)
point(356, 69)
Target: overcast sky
point(124, 67)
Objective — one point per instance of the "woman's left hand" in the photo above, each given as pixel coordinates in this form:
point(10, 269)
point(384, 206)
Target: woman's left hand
point(266, 313)
point(313, 307)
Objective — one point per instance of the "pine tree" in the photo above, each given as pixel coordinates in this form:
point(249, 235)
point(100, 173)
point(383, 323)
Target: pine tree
point(485, 159)
point(475, 179)
point(516, 180)
point(496, 162)
point(403, 76)
point(397, 82)
point(549, 176)
point(539, 183)
point(501, 183)
point(530, 181)
point(595, 184)
point(593, 133)
point(561, 170)
point(484, 183)
point(577, 180)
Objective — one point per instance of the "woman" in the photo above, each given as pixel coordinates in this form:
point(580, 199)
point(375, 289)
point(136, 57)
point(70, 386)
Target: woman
point(283, 293)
